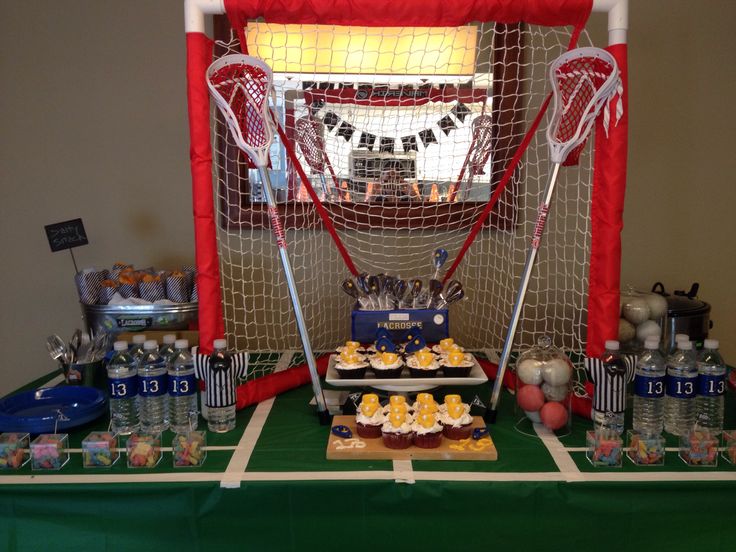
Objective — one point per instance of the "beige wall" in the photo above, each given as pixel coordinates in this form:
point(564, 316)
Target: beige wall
point(94, 125)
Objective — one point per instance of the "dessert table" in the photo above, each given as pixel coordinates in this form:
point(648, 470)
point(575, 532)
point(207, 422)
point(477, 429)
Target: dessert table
point(268, 486)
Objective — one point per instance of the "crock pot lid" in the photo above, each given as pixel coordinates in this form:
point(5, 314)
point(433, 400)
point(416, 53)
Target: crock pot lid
point(681, 304)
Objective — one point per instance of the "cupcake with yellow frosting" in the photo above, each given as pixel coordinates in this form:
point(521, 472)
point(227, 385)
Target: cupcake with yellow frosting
point(397, 431)
point(453, 399)
point(351, 365)
point(425, 401)
point(427, 429)
point(352, 347)
point(456, 423)
point(445, 346)
point(369, 417)
point(423, 364)
point(387, 365)
point(456, 364)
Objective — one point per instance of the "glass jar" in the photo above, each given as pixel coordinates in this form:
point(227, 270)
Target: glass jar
point(544, 378)
point(642, 315)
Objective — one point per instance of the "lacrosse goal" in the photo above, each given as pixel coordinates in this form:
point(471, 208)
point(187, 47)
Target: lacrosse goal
point(418, 109)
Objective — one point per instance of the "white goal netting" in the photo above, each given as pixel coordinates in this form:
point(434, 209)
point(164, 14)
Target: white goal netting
point(397, 108)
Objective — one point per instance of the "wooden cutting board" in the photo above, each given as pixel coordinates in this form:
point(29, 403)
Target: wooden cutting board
point(357, 448)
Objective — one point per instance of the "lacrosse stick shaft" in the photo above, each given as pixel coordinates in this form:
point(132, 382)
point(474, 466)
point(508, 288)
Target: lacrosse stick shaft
point(291, 284)
point(323, 182)
point(454, 189)
point(519, 303)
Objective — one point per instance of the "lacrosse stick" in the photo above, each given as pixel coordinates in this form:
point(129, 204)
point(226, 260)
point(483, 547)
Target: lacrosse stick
point(478, 153)
point(241, 86)
point(309, 134)
point(583, 81)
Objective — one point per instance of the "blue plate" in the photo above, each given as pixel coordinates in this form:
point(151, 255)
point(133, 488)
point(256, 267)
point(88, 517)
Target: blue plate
point(55, 408)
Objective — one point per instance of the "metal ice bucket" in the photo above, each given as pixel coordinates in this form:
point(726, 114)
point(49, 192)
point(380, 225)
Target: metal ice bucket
point(134, 318)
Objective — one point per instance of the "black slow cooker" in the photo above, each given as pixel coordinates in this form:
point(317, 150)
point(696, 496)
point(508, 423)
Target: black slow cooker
point(686, 314)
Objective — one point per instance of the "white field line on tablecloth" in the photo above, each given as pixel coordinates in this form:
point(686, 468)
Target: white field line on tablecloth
point(562, 458)
point(403, 471)
point(53, 382)
point(231, 478)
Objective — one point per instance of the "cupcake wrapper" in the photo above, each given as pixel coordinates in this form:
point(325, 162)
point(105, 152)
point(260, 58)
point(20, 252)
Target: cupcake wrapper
point(89, 285)
point(152, 291)
point(128, 290)
point(428, 440)
point(397, 440)
point(106, 294)
point(368, 431)
point(176, 289)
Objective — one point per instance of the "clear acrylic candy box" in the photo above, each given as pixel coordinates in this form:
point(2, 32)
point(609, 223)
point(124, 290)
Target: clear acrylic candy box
point(189, 450)
point(14, 450)
point(100, 449)
point(144, 450)
point(50, 451)
point(699, 447)
point(604, 448)
point(645, 450)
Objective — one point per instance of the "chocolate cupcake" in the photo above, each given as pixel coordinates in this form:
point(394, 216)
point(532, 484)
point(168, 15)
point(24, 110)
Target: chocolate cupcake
point(387, 365)
point(456, 364)
point(422, 364)
point(427, 430)
point(369, 418)
point(456, 423)
point(351, 365)
point(397, 432)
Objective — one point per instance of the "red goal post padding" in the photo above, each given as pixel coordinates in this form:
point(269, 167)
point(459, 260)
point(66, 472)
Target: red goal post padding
point(610, 152)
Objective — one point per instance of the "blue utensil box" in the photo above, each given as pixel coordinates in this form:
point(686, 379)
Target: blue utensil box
point(433, 323)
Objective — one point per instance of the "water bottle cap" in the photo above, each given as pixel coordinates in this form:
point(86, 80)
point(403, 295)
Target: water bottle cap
point(139, 339)
point(181, 344)
point(169, 339)
point(686, 345)
point(120, 346)
point(651, 343)
point(681, 337)
point(711, 344)
point(220, 343)
point(612, 345)
point(150, 345)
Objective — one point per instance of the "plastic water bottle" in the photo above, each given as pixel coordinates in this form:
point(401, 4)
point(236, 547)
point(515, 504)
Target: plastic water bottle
point(608, 410)
point(681, 387)
point(122, 378)
point(220, 390)
point(152, 388)
point(649, 384)
point(711, 387)
point(183, 414)
point(167, 346)
point(137, 349)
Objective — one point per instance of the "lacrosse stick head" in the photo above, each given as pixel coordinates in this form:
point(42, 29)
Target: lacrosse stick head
point(241, 86)
point(481, 143)
point(584, 81)
point(309, 133)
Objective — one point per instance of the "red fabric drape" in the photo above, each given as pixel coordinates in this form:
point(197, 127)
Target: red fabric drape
point(211, 324)
point(609, 186)
point(409, 13)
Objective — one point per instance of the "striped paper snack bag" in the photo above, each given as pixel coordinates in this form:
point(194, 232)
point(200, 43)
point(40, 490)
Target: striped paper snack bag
point(107, 290)
point(151, 288)
point(89, 283)
point(194, 297)
point(128, 284)
point(189, 275)
point(176, 287)
point(118, 269)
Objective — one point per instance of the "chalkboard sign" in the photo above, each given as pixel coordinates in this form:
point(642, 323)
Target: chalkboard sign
point(67, 234)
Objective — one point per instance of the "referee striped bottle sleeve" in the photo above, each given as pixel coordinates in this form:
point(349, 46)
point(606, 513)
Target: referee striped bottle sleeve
point(220, 384)
point(610, 386)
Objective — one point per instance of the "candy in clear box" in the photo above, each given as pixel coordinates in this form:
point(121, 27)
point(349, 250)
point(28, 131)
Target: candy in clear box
point(14, 450)
point(645, 450)
point(699, 447)
point(604, 448)
point(50, 451)
point(544, 377)
point(189, 450)
point(144, 450)
point(729, 446)
point(100, 449)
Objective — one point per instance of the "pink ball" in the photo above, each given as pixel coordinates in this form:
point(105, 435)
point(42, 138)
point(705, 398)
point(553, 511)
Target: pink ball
point(554, 415)
point(530, 398)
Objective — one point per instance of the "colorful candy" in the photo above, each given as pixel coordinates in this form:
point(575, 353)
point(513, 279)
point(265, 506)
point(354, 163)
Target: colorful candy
point(729, 446)
point(13, 450)
point(189, 450)
point(604, 449)
point(50, 451)
point(699, 447)
point(99, 450)
point(646, 450)
point(144, 450)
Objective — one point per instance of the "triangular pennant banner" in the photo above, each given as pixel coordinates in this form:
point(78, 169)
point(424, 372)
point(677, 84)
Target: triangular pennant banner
point(367, 141)
point(346, 130)
point(409, 143)
point(386, 145)
point(316, 106)
point(460, 111)
point(427, 137)
point(330, 120)
point(446, 124)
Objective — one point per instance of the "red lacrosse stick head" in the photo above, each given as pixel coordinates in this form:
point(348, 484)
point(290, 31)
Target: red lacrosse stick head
point(240, 86)
point(583, 81)
point(481, 143)
point(309, 133)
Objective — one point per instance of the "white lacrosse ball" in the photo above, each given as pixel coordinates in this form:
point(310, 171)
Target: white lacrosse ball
point(533, 416)
point(556, 371)
point(657, 305)
point(636, 310)
point(626, 331)
point(530, 371)
point(648, 329)
point(554, 392)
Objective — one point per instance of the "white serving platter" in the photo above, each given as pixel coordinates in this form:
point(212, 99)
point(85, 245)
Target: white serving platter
point(405, 382)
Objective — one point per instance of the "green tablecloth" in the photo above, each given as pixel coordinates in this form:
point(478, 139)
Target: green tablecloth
point(291, 498)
